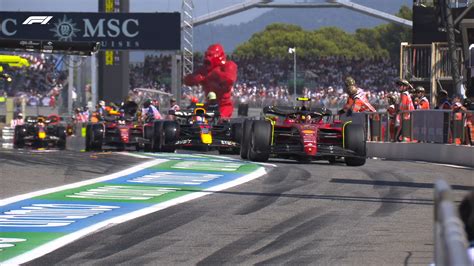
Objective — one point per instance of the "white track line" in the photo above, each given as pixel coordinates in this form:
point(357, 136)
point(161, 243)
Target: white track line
point(62, 241)
point(447, 165)
point(131, 170)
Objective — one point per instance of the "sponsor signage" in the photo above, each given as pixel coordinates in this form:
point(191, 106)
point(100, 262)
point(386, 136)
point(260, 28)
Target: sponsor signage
point(115, 31)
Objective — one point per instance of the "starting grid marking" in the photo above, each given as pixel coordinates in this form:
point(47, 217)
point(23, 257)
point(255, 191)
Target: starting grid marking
point(37, 223)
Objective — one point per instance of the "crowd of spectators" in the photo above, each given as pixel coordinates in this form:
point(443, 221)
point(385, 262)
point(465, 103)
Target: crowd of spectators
point(153, 72)
point(260, 82)
point(37, 83)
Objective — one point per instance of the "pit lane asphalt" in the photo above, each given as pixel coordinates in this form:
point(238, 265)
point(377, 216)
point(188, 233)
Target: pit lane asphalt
point(317, 213)
point(28, 170)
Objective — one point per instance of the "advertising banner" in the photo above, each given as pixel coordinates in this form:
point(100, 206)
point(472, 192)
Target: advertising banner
point(115, 31)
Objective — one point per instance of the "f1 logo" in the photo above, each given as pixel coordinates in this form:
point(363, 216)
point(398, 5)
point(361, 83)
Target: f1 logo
point(37, 20)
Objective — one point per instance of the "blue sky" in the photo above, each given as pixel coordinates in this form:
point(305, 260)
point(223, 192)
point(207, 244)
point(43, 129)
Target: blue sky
point(201, 7)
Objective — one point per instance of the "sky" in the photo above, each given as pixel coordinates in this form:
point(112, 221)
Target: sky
point(201, 7)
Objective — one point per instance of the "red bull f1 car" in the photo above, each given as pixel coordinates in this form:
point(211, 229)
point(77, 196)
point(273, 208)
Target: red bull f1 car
point(196, 129)
point(303, 134)
point(40, 132)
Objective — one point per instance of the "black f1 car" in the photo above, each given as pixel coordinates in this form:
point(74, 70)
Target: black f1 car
point(40, 132)
point(196, 129)
point(302, 134)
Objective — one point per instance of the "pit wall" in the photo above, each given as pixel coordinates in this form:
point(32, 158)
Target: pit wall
point(429, 152)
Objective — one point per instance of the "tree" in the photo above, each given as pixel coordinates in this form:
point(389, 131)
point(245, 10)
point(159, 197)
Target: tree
point(381, 41)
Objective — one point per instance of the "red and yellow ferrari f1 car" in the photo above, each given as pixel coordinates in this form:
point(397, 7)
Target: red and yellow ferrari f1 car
point(303, 134)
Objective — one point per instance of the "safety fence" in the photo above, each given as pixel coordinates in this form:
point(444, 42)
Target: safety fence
point(429, 126)
point(450, 247)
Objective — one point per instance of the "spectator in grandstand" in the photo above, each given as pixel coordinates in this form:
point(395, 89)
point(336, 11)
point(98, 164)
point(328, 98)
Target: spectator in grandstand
point(466, 212)
point(443, 101)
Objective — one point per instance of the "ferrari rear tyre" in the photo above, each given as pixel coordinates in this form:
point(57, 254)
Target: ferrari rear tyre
point(354, 140)
point(94, 137)
point(157, 137)
point(165, 134)
point(260, 141)
point(148, 135)
point(245, 137)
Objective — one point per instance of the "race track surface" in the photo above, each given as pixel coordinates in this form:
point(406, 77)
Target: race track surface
point(381, 213)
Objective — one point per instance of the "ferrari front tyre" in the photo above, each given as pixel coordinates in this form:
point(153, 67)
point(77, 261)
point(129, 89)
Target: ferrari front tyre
point(354, 140)
point(260, 141)
point(245, 137)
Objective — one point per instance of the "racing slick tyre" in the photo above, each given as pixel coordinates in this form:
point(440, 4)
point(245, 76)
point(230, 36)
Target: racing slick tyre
point(19, 137)
point(94, 137)
point(354, 140)
point(164, 136)
point(61, 134)
point(244, 140)
point(259, 141)
point(148, 135)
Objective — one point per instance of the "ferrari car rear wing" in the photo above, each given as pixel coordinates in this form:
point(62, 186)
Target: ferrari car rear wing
point(70, 48)
point(291, 110)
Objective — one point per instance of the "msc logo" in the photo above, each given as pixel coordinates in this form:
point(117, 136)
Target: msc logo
point(37, 20)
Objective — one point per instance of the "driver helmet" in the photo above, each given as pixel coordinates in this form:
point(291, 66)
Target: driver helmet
point(194, 99)
point(211, 96)
point(147, 103)
point(102, 103)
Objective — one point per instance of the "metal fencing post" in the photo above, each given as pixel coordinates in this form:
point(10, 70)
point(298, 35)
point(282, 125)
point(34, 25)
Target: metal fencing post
point(450, 247)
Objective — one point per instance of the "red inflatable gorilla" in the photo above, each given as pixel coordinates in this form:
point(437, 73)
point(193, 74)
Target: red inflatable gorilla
point(217, 75)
